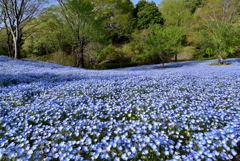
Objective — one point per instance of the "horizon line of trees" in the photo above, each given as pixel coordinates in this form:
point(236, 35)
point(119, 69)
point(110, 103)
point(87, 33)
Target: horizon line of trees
point(113, 33)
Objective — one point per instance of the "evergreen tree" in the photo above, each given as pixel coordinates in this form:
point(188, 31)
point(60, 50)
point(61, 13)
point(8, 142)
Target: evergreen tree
point(146, 14)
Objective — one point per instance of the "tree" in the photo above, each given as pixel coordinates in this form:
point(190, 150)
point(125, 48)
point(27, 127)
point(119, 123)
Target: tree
point(218, 26)
point(193, 5)
point(54, 37)
point(82, 20)
point(147, 14)
point(139, 48)
point(165, 42)
point(118, 26)
point(118, 20)
point(16, 15)
point(176, 13)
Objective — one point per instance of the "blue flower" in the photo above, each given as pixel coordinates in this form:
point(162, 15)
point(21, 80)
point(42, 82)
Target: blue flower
point(145, 152)
point(76, 114)
point(124, 156)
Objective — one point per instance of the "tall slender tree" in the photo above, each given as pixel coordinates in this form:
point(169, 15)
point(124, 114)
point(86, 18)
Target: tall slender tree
point(176, 13)
point(81, 19)
point(17, 13)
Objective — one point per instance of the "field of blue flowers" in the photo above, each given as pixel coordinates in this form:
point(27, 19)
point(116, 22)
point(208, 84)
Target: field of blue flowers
point(184, 111)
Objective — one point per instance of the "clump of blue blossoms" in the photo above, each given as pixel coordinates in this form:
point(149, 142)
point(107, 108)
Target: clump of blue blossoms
point(188, 111)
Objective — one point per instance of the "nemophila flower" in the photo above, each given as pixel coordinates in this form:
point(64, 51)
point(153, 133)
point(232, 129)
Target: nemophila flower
point(233, 152)
point(12, 154)
point(95, 156)
point(120, 148)
point(133, 149)
point(117, 159)
point(99, 150)
point(87, 114)
point(124, 156)
point(166, 152)
point(145, 152)
point(88, 141)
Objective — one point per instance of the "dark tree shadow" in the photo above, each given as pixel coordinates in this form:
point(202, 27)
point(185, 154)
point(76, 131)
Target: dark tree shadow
point(161, 66)
point(52, 76)
point(178, 64)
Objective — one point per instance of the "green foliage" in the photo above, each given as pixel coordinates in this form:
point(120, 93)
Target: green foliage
point(187, 53)
point(113, 57)
point(138, 47)
point(3, 42)
point(118, 21)
point(217, 29)
point(48, 35)
point(225, 40)
point(146, 14)
point(155, 45)
point(79, 18)
point(165, 42)
point(193, 5)
point(56, 57)
point(175, 12)
point(84, 26)
point(115, 33)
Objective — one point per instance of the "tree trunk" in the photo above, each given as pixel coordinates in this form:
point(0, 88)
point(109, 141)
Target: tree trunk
point(176, 58)
point(16, 48)
point(82, 53)
point(9, 38)
point(16, 41)
point(9, 43)
point(79, 62)
point(220, 59)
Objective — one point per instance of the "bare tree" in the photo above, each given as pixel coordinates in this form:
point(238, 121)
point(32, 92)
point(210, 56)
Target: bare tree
point(16, 14)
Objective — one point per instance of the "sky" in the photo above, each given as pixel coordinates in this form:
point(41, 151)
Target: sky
point(156, 1)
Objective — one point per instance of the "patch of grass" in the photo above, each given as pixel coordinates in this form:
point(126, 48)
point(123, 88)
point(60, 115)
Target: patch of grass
point(186, 54)
point(57, 58)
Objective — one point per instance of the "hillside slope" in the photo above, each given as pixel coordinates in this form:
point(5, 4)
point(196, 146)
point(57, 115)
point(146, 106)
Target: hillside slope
point(184, 111)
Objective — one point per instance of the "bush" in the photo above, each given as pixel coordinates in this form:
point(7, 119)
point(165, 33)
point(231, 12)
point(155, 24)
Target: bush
point(112, 56)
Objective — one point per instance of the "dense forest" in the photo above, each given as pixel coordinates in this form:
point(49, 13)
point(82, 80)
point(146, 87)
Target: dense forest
point(101, 34)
